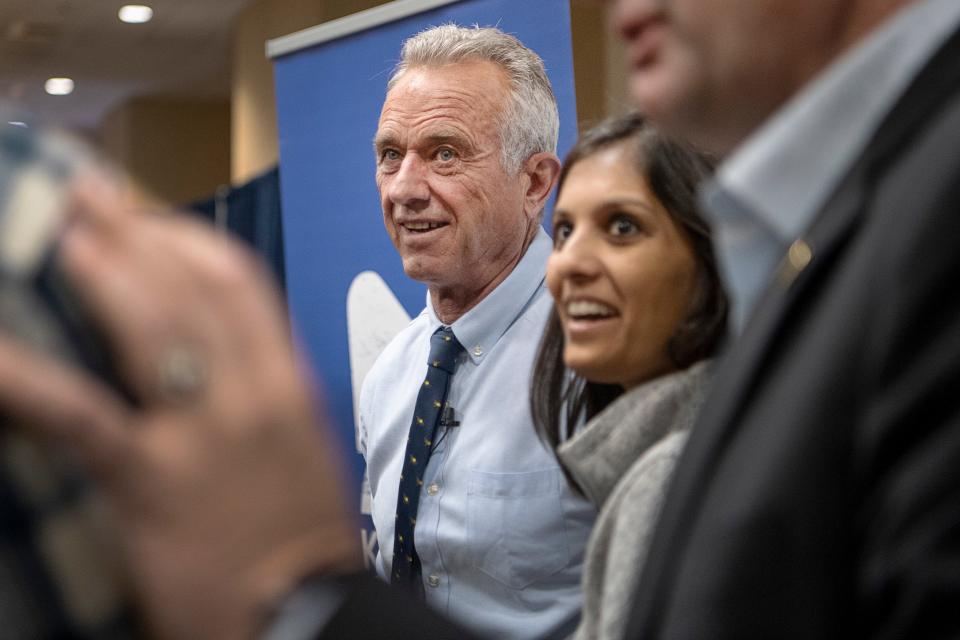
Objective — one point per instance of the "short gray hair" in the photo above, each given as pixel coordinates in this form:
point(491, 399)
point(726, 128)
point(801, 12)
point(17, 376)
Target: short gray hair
point(530, 122)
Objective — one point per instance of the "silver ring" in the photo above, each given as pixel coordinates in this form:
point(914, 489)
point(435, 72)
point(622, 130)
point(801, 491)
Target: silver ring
point(182, 375)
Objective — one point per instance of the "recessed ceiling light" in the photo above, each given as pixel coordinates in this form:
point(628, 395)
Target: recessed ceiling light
point(17, 123)
point(135, 13)
point(59, 86)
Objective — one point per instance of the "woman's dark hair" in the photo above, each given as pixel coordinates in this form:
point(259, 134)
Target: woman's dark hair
point(559, 398)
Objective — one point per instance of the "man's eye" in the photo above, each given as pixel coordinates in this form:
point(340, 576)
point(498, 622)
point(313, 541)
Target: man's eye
point(446, 155)
point(623, 225)
point(561, 231)
point(389, 155)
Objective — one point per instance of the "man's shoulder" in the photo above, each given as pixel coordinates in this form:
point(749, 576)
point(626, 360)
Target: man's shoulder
point(537, 309)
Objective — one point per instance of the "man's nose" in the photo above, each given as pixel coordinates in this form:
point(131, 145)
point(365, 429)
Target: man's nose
point(409, 186)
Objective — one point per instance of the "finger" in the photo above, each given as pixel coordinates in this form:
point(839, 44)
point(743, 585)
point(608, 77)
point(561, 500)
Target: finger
point(147, 301)
point(231, 279)
point(116, 297)
point(250, 332)
point(144, 240)
point(212, 292)
point(177, 255)
point(102, 198)
point(158, 284)
point(54, 401)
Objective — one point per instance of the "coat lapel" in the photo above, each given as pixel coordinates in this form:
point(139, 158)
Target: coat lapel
point(746, 359)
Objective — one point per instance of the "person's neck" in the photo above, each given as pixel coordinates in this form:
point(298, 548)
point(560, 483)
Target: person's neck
point(862, 17)
point(451, 303)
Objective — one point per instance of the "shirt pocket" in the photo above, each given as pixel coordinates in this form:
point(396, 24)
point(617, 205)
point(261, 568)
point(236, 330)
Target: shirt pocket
point(515, 525)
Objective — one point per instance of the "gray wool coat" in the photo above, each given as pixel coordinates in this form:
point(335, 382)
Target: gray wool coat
point(622, 460)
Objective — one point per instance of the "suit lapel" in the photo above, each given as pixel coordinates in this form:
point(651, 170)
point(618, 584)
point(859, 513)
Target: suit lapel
point(746, 359)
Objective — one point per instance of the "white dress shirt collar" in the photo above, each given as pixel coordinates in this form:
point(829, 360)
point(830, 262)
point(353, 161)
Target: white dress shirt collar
point(480, 328)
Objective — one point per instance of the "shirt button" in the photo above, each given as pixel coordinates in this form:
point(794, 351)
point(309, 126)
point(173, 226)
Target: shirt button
point(478, 351)
point(433, 489)
point(433, 580)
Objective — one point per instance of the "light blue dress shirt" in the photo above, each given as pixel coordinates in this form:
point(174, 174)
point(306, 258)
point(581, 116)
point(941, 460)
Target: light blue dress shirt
point(766, 195)
point(499, 534)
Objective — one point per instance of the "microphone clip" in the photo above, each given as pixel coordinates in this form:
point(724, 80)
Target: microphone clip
point(448, 417)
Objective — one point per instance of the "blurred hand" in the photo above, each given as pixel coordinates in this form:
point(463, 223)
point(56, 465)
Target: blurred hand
point(225, 486)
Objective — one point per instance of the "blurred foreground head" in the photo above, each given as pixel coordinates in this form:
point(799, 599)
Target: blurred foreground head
point(713, 70)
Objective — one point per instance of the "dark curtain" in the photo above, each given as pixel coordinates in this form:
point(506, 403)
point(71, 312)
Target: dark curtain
point(252, 213)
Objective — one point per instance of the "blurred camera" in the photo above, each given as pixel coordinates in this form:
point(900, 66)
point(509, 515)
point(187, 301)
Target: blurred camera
point(37, 304)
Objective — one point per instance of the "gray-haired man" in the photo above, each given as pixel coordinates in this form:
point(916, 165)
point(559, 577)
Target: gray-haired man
point(465, 162)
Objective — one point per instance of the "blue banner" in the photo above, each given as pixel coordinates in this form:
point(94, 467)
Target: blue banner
point(329, 97)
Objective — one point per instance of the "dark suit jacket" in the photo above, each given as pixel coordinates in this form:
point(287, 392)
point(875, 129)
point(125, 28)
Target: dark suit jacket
point(819, 496)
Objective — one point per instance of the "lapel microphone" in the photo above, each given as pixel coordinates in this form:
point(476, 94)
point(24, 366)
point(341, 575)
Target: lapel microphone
point(448, 417)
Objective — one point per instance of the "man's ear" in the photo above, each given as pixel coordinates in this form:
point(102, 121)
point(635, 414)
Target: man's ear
point(542, 170)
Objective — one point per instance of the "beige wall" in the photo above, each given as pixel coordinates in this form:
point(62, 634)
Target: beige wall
point(598, 64)
point(177, 149)
point(617, 98)
point(589, 45)
point(254, 106)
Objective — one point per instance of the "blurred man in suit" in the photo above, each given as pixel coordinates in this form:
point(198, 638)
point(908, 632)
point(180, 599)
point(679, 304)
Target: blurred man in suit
point(818, 493)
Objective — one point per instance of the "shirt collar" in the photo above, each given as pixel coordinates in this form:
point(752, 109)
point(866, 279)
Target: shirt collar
point(787, 170)
point(480, 328)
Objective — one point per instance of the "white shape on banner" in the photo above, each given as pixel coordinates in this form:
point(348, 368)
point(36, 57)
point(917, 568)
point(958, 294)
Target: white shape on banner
point(374, 317)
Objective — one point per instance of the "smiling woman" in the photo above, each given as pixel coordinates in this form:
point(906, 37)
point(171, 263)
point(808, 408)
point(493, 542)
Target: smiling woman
point(622, 271)
point(638, 310)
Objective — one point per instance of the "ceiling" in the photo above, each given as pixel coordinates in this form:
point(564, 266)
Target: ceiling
point(183, 51)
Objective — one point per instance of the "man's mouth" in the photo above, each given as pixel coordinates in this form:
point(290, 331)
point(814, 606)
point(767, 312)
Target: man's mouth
point(422, 227)
point(644, 36)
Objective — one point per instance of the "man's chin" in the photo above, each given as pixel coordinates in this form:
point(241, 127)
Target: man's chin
point(656, 95)
point(675, 111)
point(421, 271)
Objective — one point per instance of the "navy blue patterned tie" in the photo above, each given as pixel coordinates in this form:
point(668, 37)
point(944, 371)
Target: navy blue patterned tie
point(444, 350)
